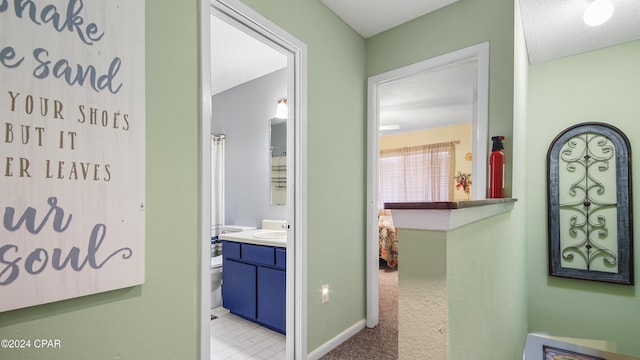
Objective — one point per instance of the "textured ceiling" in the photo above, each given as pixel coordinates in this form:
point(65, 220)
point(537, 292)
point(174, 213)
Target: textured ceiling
point(370, 17)
point(552, 28)
point(237, 57)
point(555, 29)
point(430, 99)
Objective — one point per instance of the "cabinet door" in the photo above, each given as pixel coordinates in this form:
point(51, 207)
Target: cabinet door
point(281, 258)
point(239, 288)
point(272, 298)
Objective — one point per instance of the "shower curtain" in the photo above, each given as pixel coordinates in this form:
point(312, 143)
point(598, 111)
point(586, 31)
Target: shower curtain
point(217, 180)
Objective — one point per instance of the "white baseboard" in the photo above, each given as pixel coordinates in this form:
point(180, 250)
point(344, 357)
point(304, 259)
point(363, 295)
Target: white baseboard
point(323, 349)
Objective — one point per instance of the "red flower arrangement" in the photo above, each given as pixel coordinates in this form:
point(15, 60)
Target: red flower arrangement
point(463, 181)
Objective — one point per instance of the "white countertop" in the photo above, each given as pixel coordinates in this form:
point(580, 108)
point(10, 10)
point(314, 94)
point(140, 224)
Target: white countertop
point(222, 229)
point(248, 238)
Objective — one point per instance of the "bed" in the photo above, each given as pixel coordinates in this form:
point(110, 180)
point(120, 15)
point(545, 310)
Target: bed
point(388, 240)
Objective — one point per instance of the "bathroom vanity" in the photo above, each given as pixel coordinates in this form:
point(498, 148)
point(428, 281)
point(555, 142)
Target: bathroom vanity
point(254, 279)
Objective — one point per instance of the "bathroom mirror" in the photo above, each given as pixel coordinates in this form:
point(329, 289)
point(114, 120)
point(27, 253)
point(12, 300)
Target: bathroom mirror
point(278, 161)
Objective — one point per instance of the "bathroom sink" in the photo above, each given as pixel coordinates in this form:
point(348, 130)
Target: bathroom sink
point(223, 229)
point(270, 234)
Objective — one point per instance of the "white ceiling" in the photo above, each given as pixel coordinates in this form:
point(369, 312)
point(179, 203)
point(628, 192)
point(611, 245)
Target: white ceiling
point(430, 99)
point(552, 29)
point(237, 57)
point(370, 17)
point(555, 29)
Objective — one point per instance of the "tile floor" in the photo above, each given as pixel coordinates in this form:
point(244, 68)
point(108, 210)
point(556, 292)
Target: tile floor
point(234, 338)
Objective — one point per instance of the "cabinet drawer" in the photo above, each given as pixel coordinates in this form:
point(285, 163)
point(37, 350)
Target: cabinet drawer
point(261, 254)
point(281, 258)
point(231, 249)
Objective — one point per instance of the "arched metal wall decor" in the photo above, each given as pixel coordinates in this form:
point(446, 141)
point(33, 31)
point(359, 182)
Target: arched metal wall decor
point(589, 204)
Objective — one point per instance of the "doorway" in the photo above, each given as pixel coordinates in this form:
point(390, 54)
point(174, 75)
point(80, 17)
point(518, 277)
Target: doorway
point(479, 56)
point(243, 18)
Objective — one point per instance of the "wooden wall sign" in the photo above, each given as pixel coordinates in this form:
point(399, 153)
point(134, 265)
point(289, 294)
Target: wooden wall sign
point(72, 159)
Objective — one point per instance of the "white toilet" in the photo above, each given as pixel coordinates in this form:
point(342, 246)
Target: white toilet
point(216, 259)
point(216, 281)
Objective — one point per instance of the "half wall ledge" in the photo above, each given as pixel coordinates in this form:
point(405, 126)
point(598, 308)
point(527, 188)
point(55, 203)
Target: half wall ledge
point(447, 215)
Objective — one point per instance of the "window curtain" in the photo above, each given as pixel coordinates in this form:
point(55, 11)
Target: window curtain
point(417, 173)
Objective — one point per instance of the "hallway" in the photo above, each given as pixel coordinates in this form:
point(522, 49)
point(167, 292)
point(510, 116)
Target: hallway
point(381, 342)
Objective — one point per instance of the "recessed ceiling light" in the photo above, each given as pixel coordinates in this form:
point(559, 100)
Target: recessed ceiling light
point(598, 12)
point(389, 127)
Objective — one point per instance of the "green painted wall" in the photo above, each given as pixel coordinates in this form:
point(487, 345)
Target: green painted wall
point(157, 320)
point(487, 294)
point(160, 317)
point(336, 162)
point(423, 326)
point(454, 27)
point(596, 86)
point(486, 289)
point(463, 291)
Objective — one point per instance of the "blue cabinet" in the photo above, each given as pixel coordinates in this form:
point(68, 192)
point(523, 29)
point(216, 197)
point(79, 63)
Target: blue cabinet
point(272, 299)
point(239, 289)
point(254, 283)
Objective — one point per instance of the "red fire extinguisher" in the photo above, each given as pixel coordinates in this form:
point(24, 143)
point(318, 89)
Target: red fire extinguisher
point(496, 168)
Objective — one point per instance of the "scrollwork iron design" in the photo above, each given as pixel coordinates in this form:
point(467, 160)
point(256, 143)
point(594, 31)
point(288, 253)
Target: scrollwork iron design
point(585, 154)
point(582, 208)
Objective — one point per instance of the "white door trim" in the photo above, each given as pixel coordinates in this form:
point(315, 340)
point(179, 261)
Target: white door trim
point(480, 122)
point(205, 180)
point(296, 343)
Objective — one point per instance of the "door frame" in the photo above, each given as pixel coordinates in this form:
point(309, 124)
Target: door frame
point(296, 51)
point(479, 52)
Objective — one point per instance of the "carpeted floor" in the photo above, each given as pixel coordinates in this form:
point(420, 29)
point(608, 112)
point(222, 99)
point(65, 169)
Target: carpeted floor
point(381, 342)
